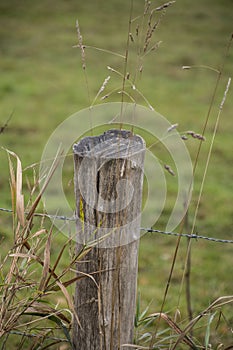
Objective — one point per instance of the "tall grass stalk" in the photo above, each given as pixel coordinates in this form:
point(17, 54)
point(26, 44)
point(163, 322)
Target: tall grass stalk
point(187, 269)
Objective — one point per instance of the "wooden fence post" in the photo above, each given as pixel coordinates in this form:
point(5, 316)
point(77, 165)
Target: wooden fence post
point(108, 175)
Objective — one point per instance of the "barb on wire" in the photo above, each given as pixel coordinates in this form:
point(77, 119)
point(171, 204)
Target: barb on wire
point(146, 230)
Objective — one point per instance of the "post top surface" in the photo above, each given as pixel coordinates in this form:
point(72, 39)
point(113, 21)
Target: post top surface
point(115, 142)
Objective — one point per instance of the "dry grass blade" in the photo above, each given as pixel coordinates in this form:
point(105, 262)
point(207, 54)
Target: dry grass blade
point(69, 268)
point(38, 233)
point(41, 309)
point(75, 279)
point(46, 266)
point(137, 347)
point(65, 284)
point(69, 300)
point(13, 189)
point(24, 255)
point(66, 294)
point(50, 174)
point(59, 257)
point(16, 185)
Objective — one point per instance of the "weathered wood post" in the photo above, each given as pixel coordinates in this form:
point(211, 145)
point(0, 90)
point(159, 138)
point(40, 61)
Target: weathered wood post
point(108, 189)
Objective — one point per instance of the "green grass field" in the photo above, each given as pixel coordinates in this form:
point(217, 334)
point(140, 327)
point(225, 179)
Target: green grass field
point(42, 83)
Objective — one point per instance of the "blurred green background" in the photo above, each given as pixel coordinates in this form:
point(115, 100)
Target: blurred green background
point(42, 83)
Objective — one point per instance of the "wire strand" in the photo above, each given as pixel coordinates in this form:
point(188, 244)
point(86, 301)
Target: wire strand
point(146, 230)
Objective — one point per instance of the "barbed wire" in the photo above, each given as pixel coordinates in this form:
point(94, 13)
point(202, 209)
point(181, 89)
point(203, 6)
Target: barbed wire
point(146, 230)
point(188, 235)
